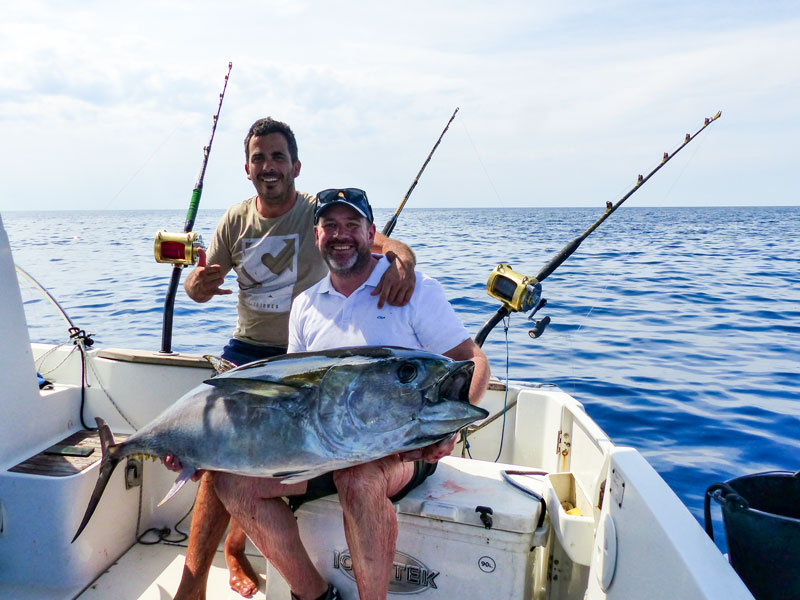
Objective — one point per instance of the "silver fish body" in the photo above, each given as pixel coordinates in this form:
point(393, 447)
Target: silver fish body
point(296, 416)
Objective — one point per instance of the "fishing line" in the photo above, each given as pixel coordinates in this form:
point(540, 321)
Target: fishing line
point(80, 340)
point(667, 155)
point(506, 325)
point(489, 420)
point(691, 158)
point(110, 399)
point(572, 338)
point(144, 164)
point(39, 363)
point(478, 156)
point(108, 203)
point(506, 320)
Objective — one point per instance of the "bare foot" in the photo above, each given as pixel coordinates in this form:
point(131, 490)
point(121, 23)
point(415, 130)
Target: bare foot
point(243, 579)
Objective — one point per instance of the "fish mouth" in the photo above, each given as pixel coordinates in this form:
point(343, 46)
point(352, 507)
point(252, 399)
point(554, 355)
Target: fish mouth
point(450, 409)
point(455, 385)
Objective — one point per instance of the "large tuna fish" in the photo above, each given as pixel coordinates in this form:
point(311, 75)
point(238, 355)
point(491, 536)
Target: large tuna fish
point(297, 416)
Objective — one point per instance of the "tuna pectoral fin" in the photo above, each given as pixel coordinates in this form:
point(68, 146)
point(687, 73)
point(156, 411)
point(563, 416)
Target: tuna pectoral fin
point(107, 464)
point(184, 476)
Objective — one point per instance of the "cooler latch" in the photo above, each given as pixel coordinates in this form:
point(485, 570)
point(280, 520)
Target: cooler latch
point(486, 515)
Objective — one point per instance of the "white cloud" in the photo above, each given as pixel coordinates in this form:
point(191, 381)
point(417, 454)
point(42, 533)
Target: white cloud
point(567, 102)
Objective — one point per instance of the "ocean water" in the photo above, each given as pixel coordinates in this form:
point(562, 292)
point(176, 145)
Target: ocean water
point(678, 328)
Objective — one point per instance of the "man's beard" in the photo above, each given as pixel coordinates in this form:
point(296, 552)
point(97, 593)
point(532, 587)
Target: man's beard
point(353, 265)
point(276, 195)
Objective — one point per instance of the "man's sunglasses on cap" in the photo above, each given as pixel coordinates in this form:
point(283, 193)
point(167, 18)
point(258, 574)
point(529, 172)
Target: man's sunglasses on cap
point(353, 197)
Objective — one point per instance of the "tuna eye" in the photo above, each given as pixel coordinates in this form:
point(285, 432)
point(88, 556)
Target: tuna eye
point(406, 373)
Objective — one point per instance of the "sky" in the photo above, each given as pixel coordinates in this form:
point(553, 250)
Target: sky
point(107, 105)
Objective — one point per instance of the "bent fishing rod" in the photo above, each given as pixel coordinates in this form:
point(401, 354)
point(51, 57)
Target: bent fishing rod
point(520, 293)
point(390, 224)
point(180, 249)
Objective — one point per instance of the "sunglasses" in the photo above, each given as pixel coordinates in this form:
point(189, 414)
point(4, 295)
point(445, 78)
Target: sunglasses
point(353, 196)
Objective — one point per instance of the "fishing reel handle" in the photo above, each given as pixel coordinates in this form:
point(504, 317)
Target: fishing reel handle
point(539, 327)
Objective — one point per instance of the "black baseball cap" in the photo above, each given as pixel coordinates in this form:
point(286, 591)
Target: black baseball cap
point(353, 197)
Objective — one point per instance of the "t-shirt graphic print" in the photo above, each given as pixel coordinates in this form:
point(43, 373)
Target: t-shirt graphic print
point(268, 272)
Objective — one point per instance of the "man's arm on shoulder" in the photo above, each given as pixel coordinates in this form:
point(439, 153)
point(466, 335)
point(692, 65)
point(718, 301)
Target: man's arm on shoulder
point(394, 248)
point(203, 283)
point(397, 284)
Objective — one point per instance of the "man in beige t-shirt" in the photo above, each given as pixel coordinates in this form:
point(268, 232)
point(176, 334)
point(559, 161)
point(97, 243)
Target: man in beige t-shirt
point(268, 240)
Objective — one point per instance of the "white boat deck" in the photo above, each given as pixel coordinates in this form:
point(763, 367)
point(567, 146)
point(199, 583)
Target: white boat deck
point(153, 572)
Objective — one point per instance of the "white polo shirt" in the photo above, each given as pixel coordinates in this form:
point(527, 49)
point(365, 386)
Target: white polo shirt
point(321, 318)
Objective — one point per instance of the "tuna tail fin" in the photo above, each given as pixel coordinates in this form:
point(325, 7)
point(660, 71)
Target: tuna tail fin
point(107, 465)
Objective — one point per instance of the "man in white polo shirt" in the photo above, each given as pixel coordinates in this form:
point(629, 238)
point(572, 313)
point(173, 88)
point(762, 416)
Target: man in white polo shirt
point(339, 311)
point(336, 312)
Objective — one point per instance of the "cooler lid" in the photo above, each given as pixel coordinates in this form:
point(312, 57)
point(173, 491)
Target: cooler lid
point(460, 485)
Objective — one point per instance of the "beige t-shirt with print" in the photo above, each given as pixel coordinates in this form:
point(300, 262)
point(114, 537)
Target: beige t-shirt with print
point(274, 259)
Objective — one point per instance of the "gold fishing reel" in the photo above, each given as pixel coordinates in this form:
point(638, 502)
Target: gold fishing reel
point(177, 248)
point(517, 292)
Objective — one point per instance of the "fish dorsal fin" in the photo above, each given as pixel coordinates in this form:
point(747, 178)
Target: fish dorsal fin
point(184, 476)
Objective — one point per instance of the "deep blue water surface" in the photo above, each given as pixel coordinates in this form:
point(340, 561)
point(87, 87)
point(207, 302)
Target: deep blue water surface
point(678, 328)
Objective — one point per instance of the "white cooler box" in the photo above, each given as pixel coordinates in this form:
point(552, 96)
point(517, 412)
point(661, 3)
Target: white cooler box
point(444, 550)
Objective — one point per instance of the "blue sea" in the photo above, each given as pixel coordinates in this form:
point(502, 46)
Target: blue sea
point(678, 328)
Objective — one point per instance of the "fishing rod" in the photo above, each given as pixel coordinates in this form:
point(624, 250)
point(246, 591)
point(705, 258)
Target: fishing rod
point(520, 293)
point(180, 249)
point(389, 227)
point(80, 340)
point(43, 290)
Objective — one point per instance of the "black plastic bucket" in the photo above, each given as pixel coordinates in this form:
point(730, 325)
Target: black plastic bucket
point(761, 513)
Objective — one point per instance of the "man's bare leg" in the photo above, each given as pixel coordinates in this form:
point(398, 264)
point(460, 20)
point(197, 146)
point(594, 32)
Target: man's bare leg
point(370, 522)
point(209, 522)
point(258, 507)
point(242, 576)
